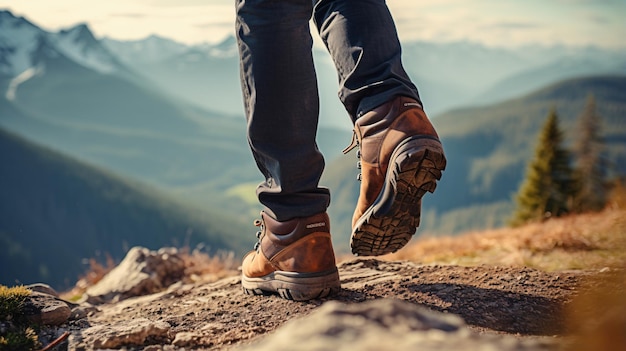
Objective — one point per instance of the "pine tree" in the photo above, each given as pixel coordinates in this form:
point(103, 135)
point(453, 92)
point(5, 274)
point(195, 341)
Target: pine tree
point(591, 192)
point(548, 187)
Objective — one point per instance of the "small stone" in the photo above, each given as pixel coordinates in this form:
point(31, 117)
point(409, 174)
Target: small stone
point(184, 339)
point(81, 312)
point(43, 288)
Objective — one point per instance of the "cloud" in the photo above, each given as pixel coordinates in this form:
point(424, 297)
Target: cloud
point(493, 22)
point(214, 24)
point(190, 3)
point(128, 15)
point(510, 25)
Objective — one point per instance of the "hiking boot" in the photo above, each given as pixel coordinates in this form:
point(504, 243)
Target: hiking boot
point(401, 158)
point(294, 259)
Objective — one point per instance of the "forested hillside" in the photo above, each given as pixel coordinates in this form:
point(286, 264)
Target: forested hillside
point(55, 212)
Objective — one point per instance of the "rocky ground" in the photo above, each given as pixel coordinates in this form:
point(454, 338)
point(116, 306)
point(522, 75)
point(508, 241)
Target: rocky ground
point(574, 298)
point(502, 308)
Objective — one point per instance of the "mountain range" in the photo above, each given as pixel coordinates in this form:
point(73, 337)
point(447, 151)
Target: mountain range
point(449, 75)
point(169, 115)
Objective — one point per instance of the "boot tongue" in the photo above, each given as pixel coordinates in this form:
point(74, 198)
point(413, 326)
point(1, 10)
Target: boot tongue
point(370, 123)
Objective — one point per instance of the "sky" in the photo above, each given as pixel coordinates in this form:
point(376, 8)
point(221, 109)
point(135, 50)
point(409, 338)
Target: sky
point(491, 22)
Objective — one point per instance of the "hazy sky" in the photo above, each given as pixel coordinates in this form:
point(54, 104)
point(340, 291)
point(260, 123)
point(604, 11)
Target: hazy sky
point(493, 22)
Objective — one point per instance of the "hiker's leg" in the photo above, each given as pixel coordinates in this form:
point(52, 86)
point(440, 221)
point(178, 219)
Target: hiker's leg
point(282, 104)
point(362, 40)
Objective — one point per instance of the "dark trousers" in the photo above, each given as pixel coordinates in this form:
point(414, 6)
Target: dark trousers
point(280, 87)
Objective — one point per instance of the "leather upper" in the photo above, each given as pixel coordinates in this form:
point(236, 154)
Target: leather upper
point(301, 245)
point(378, 133)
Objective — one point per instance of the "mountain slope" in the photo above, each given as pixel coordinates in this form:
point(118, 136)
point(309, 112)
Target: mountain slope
point(487, 150)
point(588, 64)
point(55, 211)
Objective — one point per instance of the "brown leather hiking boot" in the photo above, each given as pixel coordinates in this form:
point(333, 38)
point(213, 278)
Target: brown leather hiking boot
point(294, 259)
point(401, 158)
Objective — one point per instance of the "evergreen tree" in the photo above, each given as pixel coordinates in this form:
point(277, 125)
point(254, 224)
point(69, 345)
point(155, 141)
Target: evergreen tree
point(589, 171)
point(548, 187)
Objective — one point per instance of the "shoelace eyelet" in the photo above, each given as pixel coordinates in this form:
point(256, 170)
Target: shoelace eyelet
point(259, 234)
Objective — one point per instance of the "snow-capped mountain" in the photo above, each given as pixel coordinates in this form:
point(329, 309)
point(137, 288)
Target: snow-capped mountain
point(148, 50)
point(18, 40)
point(21, 43)
point(155, 49)
point(79, 44)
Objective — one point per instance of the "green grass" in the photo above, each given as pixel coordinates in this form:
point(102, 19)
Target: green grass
point(12, 300)
point(16, 334)
point(22, 339)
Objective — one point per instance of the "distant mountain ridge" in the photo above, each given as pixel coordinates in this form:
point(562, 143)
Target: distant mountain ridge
point(567, 67)
point(151, 49)
point(448, 75)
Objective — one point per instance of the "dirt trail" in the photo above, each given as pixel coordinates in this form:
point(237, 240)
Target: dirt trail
point(497, 300)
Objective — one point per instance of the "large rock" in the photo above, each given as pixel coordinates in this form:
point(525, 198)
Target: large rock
point(384, 325)
point(46, 309)
point(141, 272)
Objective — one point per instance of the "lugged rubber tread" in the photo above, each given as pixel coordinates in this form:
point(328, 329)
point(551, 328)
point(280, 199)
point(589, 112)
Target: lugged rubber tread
point(293, 286)
point(390, 222)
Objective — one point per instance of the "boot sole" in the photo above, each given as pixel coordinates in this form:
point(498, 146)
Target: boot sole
point(293, 286)
point(389, 223)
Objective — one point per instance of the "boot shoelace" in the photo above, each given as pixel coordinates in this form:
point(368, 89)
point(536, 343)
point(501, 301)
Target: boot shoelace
point(355, 144)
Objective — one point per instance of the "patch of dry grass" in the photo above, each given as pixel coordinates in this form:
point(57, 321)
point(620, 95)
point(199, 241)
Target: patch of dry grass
point(93, 275)
point(585, 241)
point(202, 267)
